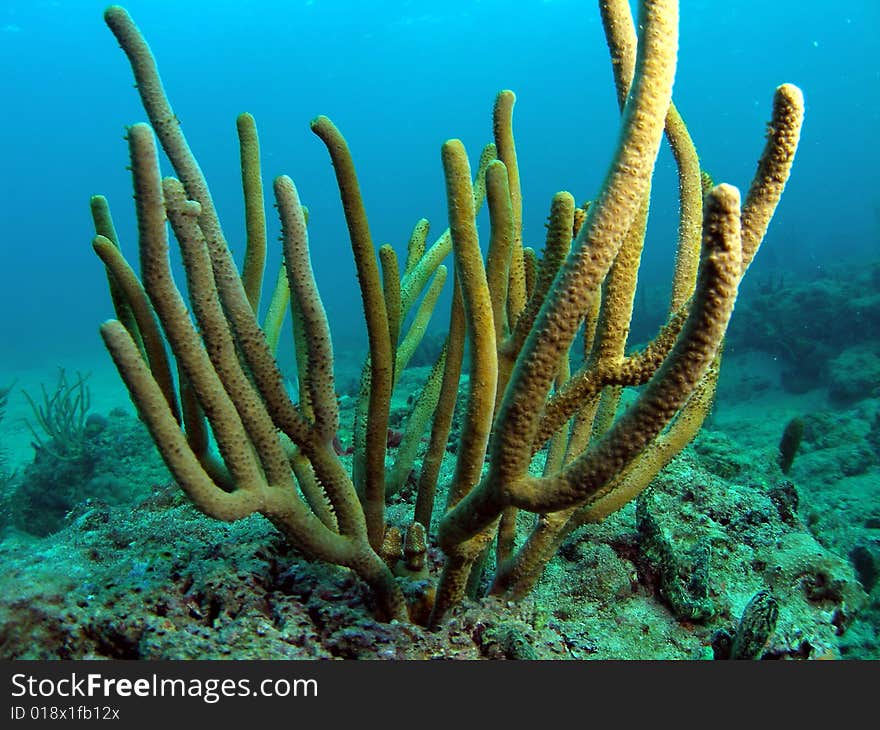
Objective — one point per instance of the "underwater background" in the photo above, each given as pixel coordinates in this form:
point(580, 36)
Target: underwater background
point(399, 78)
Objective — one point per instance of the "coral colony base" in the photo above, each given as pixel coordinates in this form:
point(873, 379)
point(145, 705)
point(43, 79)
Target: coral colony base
point(518, 315)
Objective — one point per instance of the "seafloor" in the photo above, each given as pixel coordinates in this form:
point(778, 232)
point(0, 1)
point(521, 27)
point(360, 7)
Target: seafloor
point(104, 558)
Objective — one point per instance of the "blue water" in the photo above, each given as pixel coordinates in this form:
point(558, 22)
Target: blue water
point(399, 78)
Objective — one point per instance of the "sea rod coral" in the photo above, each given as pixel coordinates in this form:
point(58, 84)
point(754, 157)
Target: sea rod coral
point(528, 394)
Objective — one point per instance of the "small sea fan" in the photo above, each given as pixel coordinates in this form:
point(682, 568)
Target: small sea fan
point(4, 398)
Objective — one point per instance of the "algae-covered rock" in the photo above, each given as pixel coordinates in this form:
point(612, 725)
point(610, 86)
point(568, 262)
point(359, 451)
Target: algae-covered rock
point(117, 465)
point(854, 374)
